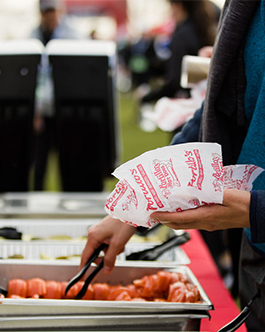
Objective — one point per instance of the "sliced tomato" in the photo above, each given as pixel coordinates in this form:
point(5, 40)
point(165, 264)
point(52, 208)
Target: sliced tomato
point(132, 291)
point(17, 287)
point(179, 295)
point(89, 292)
point(119, 294)
point(190, 297)
point(163, 281)
point(159, 287)
point(196, 293)
point(139, 283)
point(36, 286)
point(194, 290)
point(101, 291)
point(177, 276)
point(123, 296)
point(72, 291)
point(148, 291)
point(174, 289)
point(53, 290)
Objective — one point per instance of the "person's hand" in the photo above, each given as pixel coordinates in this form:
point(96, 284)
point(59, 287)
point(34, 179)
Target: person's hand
point(233, 213)
point(205, 51)
point(111, 231)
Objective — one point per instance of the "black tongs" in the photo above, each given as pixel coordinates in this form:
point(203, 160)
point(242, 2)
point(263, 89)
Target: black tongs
point(10, 233)
point(80, 274)
point(153, 253)
point(241, 318)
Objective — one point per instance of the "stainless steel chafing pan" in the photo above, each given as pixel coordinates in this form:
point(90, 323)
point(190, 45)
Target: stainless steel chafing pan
point(48, 205)
point(19, 314)
point(53, 238)
point(123, 273)
point(185, 321)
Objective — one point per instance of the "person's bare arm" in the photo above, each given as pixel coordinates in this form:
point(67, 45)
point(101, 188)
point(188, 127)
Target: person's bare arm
point(233, 213)
point(111, 231)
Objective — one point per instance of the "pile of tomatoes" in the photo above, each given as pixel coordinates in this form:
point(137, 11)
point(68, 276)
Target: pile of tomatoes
point(160, 287)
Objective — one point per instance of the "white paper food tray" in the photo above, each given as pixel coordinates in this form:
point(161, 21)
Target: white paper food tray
point(76, 230)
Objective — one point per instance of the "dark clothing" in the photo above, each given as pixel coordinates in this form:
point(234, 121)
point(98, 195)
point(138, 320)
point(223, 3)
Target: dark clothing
point(214, 240)
point(257, 216)
point(140, 59)
point(46, 36)
point(45, 141)
point(185, 41)
point(190, 131)
point(252, 277)
point(223, 119)
point(224, 103)
point(224, 122)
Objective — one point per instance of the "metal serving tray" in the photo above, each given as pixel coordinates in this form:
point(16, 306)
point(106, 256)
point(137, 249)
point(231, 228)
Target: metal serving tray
point(76, 230)
point(54, 250)
point(186, 321)
point(97, 315)
point(47, 228)
point(50, 204)
point(124, 273)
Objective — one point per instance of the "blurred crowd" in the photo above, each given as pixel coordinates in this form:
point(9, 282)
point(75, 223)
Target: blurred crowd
point(157, 53)
point(149, 65)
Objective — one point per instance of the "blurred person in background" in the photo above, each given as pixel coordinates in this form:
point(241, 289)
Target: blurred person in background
point(140, 56)
point(53, 25)
point(195, 27)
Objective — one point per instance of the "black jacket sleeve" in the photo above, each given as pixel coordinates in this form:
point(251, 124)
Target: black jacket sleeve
point(257, 216)
point(190, 131)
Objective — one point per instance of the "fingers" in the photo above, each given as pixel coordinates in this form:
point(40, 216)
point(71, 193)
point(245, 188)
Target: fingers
point(233, 213)
point(197, 218)
point(174, 220)
point(87, 252)
point(117, 245)
point(95, 238)
point(110, 257)
point(183, 217)
point(112, 232)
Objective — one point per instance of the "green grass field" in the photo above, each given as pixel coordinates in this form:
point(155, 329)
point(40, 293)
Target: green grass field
point(134, 141)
